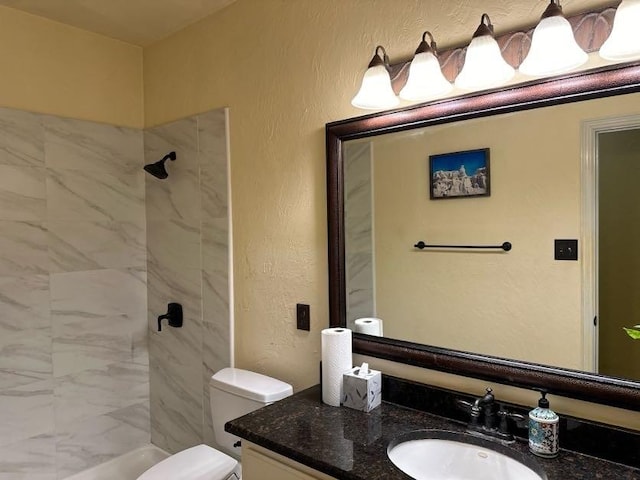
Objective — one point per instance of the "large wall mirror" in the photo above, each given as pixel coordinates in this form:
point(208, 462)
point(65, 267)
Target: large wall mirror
point(520, 316)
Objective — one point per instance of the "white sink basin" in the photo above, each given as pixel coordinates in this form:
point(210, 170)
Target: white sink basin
point(440, 455)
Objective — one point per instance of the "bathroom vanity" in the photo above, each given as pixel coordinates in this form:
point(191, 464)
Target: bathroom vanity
point(301, 438)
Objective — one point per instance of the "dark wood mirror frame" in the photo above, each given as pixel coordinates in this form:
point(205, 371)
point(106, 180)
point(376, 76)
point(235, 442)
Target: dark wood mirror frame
point(598, 83)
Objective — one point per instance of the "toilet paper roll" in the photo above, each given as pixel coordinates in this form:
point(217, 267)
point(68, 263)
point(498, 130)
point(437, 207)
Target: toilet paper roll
point(369, 326)
point(336, 360)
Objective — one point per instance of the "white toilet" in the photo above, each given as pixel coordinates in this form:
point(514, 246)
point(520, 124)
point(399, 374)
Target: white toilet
point(233, 392)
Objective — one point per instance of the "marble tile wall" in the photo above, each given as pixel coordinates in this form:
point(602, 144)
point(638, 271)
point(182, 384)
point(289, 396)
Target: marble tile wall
point(187, 262)
point(74, 363)
point(74, 386)
point(359, 248)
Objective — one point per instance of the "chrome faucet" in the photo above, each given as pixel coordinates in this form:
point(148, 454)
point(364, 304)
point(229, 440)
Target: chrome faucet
point(488, 419)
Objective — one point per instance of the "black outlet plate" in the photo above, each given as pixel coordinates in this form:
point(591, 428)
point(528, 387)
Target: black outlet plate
point(303, 320)
point(566, 249)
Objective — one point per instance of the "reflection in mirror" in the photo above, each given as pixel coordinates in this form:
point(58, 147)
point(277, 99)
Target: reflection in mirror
point(522, 304)
point(618, 272)
point(576, 382)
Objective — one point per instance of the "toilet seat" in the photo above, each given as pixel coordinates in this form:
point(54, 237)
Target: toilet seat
point(196, 463)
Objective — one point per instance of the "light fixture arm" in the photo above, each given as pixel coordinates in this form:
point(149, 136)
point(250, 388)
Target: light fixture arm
point(484, 28)
point(554, 9)
point(425, 46)
point(378, 59)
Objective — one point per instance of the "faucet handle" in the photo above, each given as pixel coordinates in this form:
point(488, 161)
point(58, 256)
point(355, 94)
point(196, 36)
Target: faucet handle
point(464, 405)
point(504, 416)
point(470, 408)
point(515, 416)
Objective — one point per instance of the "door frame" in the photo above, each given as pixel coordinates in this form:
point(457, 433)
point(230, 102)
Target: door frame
point(589, 226)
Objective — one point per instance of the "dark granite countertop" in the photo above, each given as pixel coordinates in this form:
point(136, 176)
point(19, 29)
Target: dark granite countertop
point(352, 445)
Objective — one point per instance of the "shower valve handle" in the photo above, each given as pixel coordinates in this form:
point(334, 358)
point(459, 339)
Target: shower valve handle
point(173, 315)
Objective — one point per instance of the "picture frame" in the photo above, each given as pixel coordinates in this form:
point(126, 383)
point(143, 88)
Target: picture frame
point(460, 174)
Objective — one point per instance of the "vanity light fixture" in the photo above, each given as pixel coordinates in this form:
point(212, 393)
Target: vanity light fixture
point(484, 66)
point(554, 48)
point(624, 41)
point(376, 91)
point(425, 80)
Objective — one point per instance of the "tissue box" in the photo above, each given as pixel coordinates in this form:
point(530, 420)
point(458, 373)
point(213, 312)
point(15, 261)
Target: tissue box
point(362, 392)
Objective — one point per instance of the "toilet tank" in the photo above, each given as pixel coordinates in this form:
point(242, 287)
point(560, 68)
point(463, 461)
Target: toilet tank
point(234, 392)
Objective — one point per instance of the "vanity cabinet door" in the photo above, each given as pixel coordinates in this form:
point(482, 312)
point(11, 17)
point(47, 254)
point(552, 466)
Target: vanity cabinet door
point(261, 464)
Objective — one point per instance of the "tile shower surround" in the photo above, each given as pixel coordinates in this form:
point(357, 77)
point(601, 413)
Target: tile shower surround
point(74, 374)
point(73, 362)
point(188, 258)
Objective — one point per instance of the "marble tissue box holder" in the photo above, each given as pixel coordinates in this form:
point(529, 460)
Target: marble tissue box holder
point(362, 388)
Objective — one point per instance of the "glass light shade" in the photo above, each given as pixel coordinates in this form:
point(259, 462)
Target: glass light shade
point(484, 66)
point(425, 79)
point(375, 91)
point(624, 41)
point(553, 49)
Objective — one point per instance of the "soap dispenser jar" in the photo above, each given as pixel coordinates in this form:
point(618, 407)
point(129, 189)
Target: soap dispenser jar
point(543, 429)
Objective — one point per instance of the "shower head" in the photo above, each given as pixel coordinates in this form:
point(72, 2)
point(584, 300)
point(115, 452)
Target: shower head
point(157, 169)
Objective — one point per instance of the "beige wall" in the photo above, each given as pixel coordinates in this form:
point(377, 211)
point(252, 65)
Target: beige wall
point(52, 68)
point(285, 69)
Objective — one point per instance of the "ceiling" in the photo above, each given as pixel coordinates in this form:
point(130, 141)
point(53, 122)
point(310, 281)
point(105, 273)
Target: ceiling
point(140, 22)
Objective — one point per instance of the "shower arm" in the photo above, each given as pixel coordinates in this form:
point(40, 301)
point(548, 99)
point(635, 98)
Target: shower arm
point(169, 156)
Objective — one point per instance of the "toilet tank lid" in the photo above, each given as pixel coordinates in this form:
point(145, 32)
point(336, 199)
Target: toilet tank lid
point(251, 385)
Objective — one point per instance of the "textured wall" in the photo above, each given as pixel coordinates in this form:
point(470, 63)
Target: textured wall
point(291, 68)
point(73, 361)
point(53, 68)
point(188, 260)
point(285, 69)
